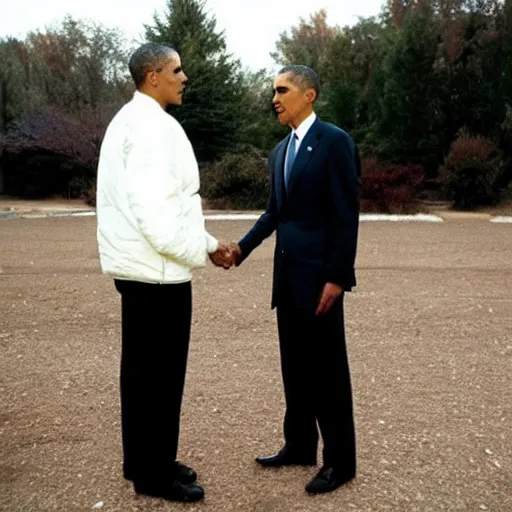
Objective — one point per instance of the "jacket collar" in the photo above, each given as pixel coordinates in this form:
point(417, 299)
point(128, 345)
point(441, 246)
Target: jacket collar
point(306, 151)
point(145, 99)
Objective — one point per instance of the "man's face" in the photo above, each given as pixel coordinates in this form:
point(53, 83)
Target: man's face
point(290, 101)
point(171, 81)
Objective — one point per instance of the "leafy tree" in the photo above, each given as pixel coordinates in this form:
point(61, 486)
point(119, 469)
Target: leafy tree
point(78, 66)
point(59, 90)
point(13, 83)
point(307, 44)
point(407, 115)
point(351, 60)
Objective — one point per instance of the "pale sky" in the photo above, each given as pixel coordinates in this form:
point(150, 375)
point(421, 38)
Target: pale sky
point(251, 26)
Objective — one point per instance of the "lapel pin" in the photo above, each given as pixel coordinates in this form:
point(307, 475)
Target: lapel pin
point(310, 148)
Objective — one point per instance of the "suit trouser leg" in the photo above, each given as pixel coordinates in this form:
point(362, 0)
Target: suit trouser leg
point(155, 338)
point(300, 429)
point(333, 390)
point(316, 379)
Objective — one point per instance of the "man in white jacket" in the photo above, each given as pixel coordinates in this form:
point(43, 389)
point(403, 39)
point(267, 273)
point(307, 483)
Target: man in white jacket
point(151, 234)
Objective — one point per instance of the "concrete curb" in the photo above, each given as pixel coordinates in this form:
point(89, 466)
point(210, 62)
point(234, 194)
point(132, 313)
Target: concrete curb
point(419, 217)
point(30, 215)
point(8, 215)
point(216, 215)
point(364, 217)
point(502, 219)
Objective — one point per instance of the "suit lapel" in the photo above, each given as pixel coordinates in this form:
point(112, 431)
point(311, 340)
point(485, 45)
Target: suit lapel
point(306, 151)
point(278, 172)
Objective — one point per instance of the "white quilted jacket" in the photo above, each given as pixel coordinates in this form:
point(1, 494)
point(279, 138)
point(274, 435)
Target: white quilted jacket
point(150, 220)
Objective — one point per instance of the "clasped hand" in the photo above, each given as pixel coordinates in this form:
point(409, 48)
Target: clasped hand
point(227, 255)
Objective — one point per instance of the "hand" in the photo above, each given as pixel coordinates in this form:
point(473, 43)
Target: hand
point(223, 256)
point(236, 253)
point(330, 293)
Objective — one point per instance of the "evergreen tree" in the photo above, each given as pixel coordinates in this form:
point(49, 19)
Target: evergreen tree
point(212, 112)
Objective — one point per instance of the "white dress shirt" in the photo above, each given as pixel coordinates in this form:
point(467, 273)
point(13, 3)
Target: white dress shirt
point(300, 132)
point(303, 129)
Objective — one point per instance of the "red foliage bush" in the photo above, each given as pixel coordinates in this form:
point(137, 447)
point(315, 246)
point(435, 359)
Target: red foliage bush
point(389, 188)
point(53, 131)
point(51, 153)
point(468, 147)
point(472, 172)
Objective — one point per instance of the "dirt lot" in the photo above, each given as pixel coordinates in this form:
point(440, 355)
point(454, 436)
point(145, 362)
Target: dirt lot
point(430, 344)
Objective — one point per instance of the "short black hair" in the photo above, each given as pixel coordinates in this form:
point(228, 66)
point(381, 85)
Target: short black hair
point(303, 77)
point(148, 57)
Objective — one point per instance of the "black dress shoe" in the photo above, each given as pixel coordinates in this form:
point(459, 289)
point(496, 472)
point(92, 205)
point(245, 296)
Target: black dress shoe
point(328, 479)
point(286, 457)
point(184, 474)
point(173, 491)
point(179, 471)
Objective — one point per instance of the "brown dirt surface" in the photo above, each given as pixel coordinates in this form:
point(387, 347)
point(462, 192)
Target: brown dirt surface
point(429, 332)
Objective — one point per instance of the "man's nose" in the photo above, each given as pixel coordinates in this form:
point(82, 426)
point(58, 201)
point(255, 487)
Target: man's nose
point(185, 79)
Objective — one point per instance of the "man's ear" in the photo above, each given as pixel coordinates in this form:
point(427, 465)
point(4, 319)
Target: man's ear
point(311, 95)
point(152, 79)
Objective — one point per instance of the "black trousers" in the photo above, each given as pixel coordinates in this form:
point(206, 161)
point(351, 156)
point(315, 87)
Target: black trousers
point(316, 381)
point(156, 323)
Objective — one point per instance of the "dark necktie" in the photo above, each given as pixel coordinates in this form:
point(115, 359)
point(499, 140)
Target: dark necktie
point(290, 158)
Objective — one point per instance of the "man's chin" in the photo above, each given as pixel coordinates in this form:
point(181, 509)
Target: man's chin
point(282, 119)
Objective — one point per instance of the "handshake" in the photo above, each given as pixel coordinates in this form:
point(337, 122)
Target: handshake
point(227, 255)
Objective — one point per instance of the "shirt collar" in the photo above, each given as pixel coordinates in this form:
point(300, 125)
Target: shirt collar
point(304, 127)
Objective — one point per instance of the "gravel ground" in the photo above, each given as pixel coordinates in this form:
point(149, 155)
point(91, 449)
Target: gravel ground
point(430, 342)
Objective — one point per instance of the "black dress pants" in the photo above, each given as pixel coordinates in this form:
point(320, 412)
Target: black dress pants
point(316, 381)
point(156, 323)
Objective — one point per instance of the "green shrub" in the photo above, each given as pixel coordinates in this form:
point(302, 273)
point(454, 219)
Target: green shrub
point(237, 181)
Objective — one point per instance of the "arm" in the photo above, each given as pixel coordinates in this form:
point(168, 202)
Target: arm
point(343, 200)
point(344, 173)
point(156, 199)
point(265, 225)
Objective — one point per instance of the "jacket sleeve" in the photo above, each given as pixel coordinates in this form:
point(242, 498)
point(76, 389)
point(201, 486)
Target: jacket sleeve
point(267, 223)
point(343, 200)
point(212, 244)
point(155, 197)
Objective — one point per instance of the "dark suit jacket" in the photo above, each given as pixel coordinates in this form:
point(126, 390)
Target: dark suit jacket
point(316, 220)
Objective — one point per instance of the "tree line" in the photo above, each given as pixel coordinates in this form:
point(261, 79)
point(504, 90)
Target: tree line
point(424, 87)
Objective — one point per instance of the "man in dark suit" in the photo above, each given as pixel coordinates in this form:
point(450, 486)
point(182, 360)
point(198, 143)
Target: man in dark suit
point(314, 209)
